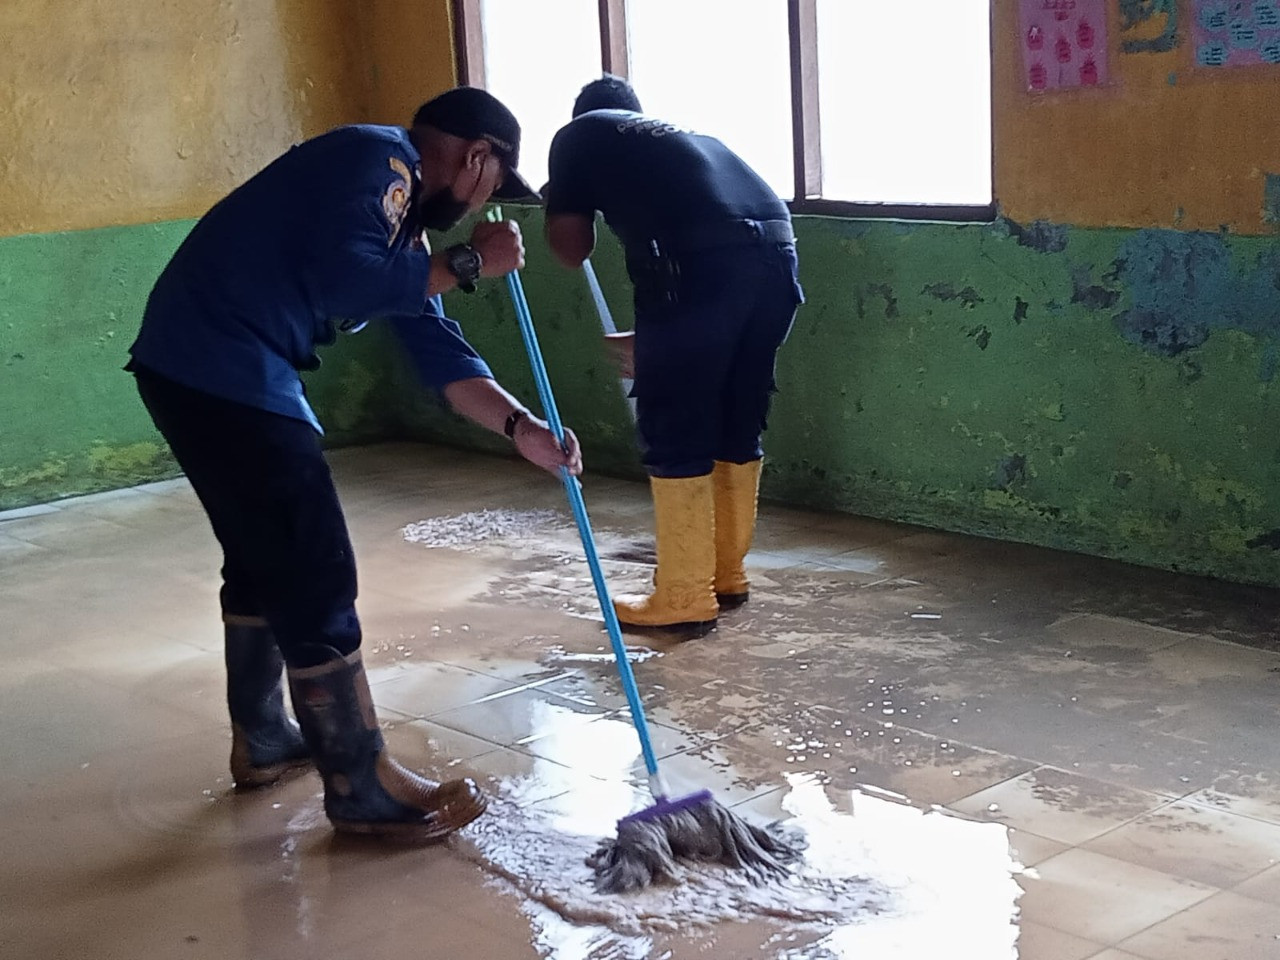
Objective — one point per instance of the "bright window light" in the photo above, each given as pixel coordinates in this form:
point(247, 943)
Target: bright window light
point(720, 67)
point(539, 79)
point(905, 100)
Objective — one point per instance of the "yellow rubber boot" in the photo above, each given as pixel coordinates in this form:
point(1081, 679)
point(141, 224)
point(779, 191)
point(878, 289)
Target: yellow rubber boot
point(684, 587)
point(737, 487)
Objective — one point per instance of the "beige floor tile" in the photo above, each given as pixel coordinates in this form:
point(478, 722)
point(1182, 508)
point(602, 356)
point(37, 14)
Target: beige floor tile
point(1038, 942)
point(1201, 662)
point(58, 720)
point(424, 688)
point(64, 530)
point(1060, 806)
point(527, 779)
point(132, 505)
point(126, 840)
point(1263, 886)
point(1210, 846)
point(725, 768)
point(1226, 925)
point(11, 548)
point(1030, 850)
point(1096, 634)
point(925, 767)
point(430, 748)
point(1254, 795)
point(1104, 900)
point(519, 719)
point(178, 486)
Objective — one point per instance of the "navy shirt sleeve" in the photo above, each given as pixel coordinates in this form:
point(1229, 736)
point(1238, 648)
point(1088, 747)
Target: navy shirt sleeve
point(439, 352)
point(361, 268)
point(570, 173)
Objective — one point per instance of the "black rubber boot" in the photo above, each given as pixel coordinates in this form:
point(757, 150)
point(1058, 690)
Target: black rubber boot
point(366, 791)
point(266, 744)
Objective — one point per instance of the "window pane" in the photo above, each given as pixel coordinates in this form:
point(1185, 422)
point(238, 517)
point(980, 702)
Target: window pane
point(905, 100)
point(537, 56)
point(720, 67)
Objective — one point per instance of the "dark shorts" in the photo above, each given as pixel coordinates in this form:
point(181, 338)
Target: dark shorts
point(705, 363)
point(265, 485)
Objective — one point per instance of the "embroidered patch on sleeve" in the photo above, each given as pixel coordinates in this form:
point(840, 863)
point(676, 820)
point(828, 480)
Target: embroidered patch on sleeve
point(395, 200)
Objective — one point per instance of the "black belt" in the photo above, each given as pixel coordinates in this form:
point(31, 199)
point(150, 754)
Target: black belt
point(708, 236)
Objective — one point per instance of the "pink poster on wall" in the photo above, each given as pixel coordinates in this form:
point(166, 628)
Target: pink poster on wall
point(1064, 43)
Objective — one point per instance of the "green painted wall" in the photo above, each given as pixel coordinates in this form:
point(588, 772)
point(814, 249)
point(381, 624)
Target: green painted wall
point(1104, 391)
point(586, 385)
point(70, 304)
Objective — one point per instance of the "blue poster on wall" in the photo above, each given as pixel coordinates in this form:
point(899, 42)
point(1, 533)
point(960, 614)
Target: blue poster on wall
point(1236, 33)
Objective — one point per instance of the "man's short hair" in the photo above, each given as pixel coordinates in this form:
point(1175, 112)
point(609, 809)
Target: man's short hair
point(607, 93)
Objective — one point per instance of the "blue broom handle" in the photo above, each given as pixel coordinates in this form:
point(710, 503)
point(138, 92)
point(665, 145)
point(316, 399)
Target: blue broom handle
point(574, 489)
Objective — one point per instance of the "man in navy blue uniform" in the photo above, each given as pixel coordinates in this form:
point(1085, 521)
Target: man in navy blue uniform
point(325, 239)
point(711, 255)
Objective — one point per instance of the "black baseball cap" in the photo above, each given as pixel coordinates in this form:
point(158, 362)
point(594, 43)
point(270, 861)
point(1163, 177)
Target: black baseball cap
point(475, 114)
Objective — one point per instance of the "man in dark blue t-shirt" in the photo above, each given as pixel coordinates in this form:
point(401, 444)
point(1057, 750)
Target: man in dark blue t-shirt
point(711, 254)
point(325, 239)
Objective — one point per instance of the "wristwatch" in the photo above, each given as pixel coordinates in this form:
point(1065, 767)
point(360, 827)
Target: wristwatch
point(513, 421)
point(464, 262)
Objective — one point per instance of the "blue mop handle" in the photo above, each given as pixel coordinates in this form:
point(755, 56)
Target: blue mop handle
point(574, 489)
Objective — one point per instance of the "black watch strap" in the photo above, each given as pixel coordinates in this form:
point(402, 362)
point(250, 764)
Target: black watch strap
point(513, 421)
point(464, 262)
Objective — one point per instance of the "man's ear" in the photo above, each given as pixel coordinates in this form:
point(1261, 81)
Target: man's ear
point(477, 152)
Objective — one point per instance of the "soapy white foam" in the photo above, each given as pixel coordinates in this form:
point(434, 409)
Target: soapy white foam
point(530, 849)
point(556, 654)
point(880, 878)
point(481, 526)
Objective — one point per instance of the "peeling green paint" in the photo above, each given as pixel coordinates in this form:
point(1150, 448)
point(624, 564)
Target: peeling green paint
point(18, 478)
point(1221, 492)
point(971, 377)
point(1271, 199)
point(899, 414)
point(133, 459)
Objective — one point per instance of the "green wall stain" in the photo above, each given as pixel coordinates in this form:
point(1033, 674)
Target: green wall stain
point(1271, 199)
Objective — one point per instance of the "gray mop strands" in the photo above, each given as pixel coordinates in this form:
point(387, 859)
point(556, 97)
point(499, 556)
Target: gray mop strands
point(649, 844)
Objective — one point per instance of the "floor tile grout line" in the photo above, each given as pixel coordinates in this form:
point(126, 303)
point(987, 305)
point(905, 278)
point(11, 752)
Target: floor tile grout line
point(1254, 876)
point(493, 745)
point(1177, 913)
point(1202, 805)
point(1167, 798)
point(1119, 944)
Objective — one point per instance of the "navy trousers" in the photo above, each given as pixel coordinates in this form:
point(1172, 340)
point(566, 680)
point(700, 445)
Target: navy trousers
point(705, 359)
point(266, 488)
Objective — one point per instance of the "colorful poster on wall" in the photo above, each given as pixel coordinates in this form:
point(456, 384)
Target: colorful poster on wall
point(1236, 33)
point(1064, 43)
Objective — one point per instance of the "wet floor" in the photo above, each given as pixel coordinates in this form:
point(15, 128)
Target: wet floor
point(994, 751)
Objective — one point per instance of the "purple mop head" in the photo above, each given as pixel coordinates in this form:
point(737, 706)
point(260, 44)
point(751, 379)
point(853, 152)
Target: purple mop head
point(697, 828)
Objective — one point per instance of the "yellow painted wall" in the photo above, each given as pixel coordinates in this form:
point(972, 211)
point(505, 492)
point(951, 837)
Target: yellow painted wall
point(123, 111)
point(118, 111)
point(412, 60)
point(1143, 152)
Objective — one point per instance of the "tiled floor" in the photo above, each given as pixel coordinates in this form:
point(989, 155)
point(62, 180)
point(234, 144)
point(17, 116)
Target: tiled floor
point(1120, 723)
